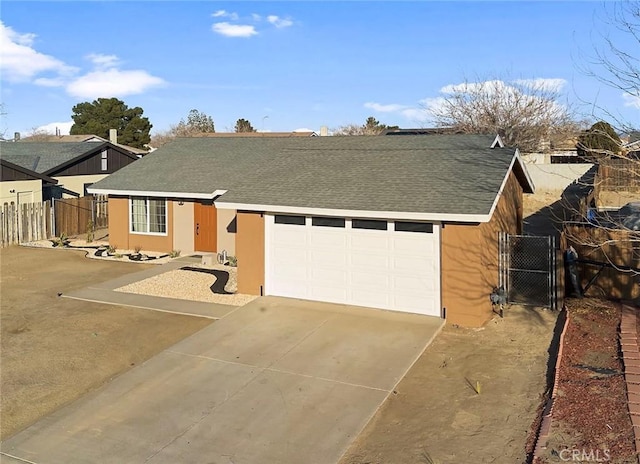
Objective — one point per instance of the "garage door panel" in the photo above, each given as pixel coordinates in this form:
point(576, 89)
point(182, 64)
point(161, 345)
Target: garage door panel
point(414, 265)
point(370, 261)
point(290, 258)
point(374, 298)
point(423, 245)
point(328, 258)
point(329, 239)
point(370, 280)
point(330, 294)
point(325, 276)
point(375, 240)
point(413, 284)
point(416, 304)
point(291, 236)
point(380, 269)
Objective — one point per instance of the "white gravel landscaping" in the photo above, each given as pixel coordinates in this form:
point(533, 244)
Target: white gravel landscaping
point(189, 285)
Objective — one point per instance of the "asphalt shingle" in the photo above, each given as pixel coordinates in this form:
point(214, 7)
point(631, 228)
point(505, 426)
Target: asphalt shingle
point(455, 174)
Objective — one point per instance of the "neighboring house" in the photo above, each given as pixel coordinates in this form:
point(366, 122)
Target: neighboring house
point(74, 165)
point(401, 223)
point(21, 185)
point(90, 138)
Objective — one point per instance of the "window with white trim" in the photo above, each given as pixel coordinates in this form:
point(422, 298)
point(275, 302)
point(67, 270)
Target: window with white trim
point(103, 160)
point(148, 215)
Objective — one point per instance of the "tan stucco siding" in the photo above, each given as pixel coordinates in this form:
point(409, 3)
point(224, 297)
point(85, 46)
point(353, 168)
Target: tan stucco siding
point(121, 238)
point(250, 252)
point(30, 190)
point(227, 225)
point(470, 259)
point(183, 238)
point(76, 183)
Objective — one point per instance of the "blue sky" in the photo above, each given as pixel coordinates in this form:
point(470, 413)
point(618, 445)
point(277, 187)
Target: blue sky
point(288, 65)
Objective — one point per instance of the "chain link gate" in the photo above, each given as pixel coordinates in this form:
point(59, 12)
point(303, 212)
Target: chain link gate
point(528, 269)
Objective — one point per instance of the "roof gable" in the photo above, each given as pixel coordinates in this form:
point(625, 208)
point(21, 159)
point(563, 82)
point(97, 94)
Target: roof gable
point(49, 157)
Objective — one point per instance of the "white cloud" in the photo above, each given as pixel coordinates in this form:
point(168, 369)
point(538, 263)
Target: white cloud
point(417, 114)
point(225, 14)
point(101, 61)
point(234, 30)
point(279, 22)
point(112, 83)
point(62, 127)
point(50, 81)
point(631, 100)
point(551, 85)
point(303, 129)
point(256, 17)
point(20, 62)
point(391, 108)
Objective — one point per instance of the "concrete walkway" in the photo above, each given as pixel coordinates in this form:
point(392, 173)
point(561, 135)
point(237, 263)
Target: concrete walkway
point(276, 381)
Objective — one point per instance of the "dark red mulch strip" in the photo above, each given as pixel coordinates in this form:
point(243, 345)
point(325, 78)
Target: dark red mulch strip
point(591, 396)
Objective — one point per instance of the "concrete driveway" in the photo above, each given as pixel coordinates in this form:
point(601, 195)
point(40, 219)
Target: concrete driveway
point(275, 381)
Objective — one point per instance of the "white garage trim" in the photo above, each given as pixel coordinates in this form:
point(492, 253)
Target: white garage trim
point(386, 269)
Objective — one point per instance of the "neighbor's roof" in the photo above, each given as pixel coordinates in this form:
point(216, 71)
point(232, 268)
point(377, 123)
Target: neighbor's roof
point(44, 157)
point(63, 138)
point(35, 175)
point(258, 134)
point(88, 138)
point(449, 175)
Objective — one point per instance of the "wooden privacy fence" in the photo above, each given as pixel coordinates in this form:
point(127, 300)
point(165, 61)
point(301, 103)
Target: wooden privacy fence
point(619, 174)
point(26, 222)
point(72, 215)
point(618, 249)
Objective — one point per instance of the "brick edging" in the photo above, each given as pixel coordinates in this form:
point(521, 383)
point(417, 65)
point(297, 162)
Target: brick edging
point(631, 361)
point(545, 425)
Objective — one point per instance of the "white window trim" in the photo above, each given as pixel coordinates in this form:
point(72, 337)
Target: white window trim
point(166, 217)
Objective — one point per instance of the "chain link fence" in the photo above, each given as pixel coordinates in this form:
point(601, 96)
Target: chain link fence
point(528, 269)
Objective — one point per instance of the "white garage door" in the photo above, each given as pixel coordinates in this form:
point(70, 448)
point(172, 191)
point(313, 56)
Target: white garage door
point(382, 264)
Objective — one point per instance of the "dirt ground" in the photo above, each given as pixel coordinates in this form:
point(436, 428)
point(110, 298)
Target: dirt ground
point(55, 349)
point(437, 416)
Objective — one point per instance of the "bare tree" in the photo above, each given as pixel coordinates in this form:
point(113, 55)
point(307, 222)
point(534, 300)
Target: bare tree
point(527, 113)
point(197, 123)
point(371, 127)
point(616, 65)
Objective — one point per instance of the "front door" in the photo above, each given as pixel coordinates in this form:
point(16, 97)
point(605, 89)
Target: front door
point(205, 223)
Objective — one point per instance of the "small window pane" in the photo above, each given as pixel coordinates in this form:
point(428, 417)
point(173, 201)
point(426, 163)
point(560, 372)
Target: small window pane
point(423, 227)
point(368, 224)
point(157, 216)
point(288, 219)
point(327, 222)
point(138, 215)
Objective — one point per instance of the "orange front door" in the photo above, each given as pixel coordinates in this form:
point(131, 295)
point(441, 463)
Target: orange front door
point(205, 224)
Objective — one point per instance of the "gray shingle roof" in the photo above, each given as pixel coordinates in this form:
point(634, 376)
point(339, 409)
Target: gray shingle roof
point(41, 157)
point(455, 174)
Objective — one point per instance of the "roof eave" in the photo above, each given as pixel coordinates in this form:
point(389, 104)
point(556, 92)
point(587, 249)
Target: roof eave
point(153, 193)
point(400, 215)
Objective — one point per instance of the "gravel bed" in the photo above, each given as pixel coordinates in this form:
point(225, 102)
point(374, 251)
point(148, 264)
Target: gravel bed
point(189, 285)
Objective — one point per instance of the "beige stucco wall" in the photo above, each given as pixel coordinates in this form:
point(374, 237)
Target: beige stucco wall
point(20, 186)
point(227, 231)
point(76, 183)
point(183, 239)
